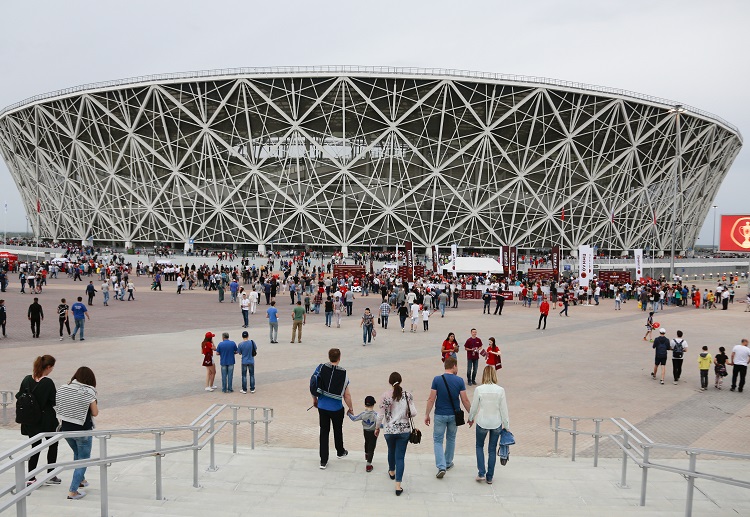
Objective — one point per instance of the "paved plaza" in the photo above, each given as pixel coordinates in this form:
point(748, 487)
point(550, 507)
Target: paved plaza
point(146, 355)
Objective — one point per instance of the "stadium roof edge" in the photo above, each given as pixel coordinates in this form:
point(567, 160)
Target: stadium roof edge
point(334, 70)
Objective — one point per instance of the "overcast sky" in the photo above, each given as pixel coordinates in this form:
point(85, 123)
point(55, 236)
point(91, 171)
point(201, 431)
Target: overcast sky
point(691, 51)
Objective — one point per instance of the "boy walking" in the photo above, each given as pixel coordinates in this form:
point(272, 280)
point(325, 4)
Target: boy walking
point(704, 363)
point(369, 419)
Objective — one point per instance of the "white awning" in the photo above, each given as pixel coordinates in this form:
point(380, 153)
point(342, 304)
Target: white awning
point(477, 265)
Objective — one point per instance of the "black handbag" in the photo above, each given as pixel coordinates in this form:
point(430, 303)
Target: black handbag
point(415, 435)
point(459, 413)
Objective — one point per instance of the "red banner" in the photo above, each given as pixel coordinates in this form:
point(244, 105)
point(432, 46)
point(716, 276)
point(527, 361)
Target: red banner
point(513, 260)
point(409, 252)
point(505, 260)
point(556, 262)
point(735, 233)
point(434, 259)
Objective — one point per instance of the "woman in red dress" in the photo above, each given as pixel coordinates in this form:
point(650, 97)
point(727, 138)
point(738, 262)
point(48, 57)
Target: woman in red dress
point(207, 349)
point(493, 355)
point(450, 347)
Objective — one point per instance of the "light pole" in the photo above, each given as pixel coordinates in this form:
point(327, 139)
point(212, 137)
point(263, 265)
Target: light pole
point(678, 172)
point(713, 241)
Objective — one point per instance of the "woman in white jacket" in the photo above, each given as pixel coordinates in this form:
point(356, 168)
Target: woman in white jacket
point(490, 412)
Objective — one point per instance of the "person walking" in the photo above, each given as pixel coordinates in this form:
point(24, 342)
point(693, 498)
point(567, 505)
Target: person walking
point(543, 313)
point(443, 301)
point(397, 407)
point(4, 317)
point(489, 410)
point(328, 309)
point(331, 391)
point(272, 313)
point(349, 302)
point(226, 350)
point(80, 313)
point(385, 311)
point(207, 349)
point(445, 393)
point(403, 313)
point(720, 367)
point(565, 304)
point(245, 309)
point(63, 313)
point(104, 288)
point(499, 302)
point(43, 390)
point(473, 347)
point(370, 428)
point(36, 316)
point(740, 358)
point(660, 346)
point(76, 407)
point(131, 291)
point(248, 350)
point(486, 298)
point(679, 347)
point(704, 364)
point(299, 318)
point(649, 327)
point(91, 292)
point(366, 324)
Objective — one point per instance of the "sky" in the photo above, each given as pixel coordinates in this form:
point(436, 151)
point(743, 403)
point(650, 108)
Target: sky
point(689, 51)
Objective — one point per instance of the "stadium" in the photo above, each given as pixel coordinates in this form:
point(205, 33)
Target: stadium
point(365, 157)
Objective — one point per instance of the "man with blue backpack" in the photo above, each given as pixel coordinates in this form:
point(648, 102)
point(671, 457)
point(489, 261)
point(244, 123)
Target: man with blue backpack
point(329, 388)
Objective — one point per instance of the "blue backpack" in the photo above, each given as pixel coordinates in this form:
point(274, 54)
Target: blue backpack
point(314, 381)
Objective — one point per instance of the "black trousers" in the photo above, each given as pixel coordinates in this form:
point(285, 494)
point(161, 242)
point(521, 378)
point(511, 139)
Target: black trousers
point(66, 323)
point(499, 307)
point(51, 456)
point(371, 440)
point(704, 378)
point(741, 370)
point(542, 317)
point(677, 368)
point(35, 325)
point(326, 419)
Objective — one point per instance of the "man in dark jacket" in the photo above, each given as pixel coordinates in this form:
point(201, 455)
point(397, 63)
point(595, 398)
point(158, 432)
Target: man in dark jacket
point(35, 315)
point(661, 347)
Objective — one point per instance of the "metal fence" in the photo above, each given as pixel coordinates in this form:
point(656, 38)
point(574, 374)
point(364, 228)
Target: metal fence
point(203, 429)
point(638, 447)
point(7, 401)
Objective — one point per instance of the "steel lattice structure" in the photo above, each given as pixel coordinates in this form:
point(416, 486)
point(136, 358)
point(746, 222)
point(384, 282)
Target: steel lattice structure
point(348, 156)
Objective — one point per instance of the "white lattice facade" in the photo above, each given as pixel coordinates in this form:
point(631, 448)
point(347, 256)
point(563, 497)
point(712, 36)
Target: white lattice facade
point(336, 157)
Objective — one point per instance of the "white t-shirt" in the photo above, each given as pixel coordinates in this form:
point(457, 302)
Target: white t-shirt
point(425, 315)
point(245, 303)
point(415, 311)
point(741, 355)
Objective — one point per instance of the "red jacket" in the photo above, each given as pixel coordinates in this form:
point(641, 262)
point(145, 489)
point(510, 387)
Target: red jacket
point(544, 308)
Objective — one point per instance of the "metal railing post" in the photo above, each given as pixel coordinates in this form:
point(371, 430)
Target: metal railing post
point(195, 458)
point(644, 473)
point(266, 422)
point(234, 429)
point(690, 486)
point(557, 431)
point(252, 428)
point(598, 422)
point(625, 446)
point(5, 407)
point(20, 485)
point(158, 454)
point(575, 435)
point(211, 448)
point(103, 476)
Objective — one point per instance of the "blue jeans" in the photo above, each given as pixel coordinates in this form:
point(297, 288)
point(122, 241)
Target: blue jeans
point(81, 450)
point(469, 364)
point(79, 325)
point(227, 373)
point(396, 452)
point(491, 451)
point(106, 297)
point(248, 370)
point(329, 318)
point(245, 315)
point(442, 309)
point(366, 334)
point(442, 424)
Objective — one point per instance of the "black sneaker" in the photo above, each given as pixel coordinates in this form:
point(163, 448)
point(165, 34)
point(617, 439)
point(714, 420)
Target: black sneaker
point(345, 453)
point(440, 474)
point(323, 465)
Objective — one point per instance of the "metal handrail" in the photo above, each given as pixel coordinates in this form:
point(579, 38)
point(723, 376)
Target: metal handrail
point(204, 430)
point(370, 70)
point(7, 399)
point(637, 446)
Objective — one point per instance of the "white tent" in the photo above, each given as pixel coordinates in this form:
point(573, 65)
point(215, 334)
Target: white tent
point(478, 265)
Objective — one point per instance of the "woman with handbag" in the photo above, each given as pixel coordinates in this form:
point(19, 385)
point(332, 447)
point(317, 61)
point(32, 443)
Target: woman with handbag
point(489, 410)
point(397, 409)
point(77, 407)
point(449, 348)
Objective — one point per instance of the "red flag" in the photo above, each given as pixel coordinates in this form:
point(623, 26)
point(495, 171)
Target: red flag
point(613, 216)
point(654, 212)
point(38, 206)
point(562, 214)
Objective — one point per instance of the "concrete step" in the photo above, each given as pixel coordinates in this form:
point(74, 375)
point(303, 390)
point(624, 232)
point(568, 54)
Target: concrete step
point(278, 481)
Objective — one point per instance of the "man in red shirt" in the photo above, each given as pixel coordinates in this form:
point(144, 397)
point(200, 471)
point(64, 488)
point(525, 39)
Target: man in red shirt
point(543, 312)
point(472, 346)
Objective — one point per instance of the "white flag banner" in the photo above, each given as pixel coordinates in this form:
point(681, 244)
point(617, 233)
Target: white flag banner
point(585, 265)
point(454, 252)
point(638, 254)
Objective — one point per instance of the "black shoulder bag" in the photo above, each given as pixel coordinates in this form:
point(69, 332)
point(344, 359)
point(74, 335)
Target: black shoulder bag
point(415, 435)
point(459, 413)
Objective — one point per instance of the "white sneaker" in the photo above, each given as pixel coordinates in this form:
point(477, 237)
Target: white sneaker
point(252, 391)
point(243, 391)
point(208, 388)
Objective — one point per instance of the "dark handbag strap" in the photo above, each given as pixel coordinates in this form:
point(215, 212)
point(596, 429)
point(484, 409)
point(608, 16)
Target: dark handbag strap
point(408, 409)
point(450, 399)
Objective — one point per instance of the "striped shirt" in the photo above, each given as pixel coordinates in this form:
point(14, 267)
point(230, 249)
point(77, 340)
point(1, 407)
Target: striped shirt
point(73, 402)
